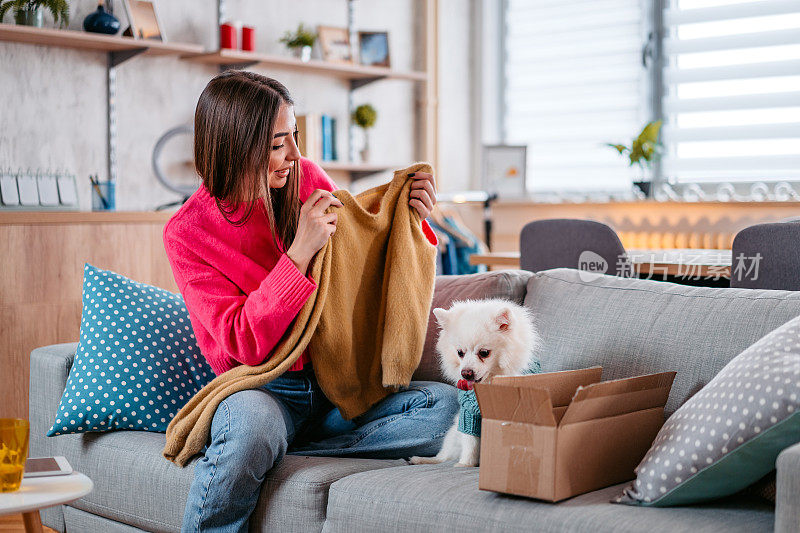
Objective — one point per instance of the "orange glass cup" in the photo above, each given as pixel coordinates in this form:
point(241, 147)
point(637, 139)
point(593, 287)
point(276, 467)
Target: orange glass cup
point(14, 433)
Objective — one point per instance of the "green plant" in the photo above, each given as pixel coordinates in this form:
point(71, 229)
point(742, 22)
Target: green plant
point(645, 148)
point(58, 8)
point(365, 116)
point(301, 37)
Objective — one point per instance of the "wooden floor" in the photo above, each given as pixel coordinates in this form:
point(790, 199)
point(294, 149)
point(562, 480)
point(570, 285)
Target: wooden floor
point(13, 524)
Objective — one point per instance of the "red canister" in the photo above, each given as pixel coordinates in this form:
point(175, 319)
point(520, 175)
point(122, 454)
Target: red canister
point(248, 38)
point(227, 36)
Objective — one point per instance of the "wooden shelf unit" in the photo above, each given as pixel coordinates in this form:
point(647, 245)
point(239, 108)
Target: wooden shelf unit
point(194, 52)
point(81, 40)
point(353, 72)
point(121, 49)
point(356, 170)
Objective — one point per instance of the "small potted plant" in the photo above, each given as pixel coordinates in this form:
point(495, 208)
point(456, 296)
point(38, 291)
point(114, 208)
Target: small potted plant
point(29, 12)
point(643, 151)
point(300, 42)
point(364, 117)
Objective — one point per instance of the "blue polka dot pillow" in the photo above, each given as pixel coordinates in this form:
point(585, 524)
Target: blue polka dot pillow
point(137, 361)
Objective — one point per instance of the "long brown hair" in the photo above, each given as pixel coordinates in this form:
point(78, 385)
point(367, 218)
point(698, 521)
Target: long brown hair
point(233, 128)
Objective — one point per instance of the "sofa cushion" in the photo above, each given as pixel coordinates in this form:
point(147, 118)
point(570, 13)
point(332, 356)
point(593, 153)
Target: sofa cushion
point(135, 485)
point(632, 327)
point(444, 498)
point(509, 284)
point(137, 361)
point(729, 434)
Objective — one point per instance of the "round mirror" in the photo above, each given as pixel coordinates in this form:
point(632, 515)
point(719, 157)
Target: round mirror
point(173, 161)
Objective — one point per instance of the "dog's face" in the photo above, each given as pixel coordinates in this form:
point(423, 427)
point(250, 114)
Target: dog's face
point(481, 340)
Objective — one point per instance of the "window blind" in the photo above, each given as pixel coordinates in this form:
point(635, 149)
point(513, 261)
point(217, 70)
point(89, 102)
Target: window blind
point(573, 80)
point(732, 90)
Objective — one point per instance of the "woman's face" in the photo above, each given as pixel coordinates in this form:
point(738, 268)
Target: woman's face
point(285, 153)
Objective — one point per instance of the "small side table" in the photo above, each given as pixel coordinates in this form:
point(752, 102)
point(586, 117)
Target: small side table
point(41, 492)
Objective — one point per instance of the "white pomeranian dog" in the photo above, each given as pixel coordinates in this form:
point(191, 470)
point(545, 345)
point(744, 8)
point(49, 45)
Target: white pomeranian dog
point(479, 339)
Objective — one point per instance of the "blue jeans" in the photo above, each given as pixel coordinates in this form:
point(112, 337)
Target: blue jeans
point(253, 429)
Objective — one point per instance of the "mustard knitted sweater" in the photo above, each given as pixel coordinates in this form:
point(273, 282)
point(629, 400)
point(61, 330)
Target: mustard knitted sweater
point(365, 324)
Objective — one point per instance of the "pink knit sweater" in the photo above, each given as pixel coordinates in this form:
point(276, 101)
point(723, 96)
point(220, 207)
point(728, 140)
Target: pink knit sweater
point(242, 293)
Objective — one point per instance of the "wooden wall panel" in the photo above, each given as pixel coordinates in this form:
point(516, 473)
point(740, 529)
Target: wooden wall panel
point(49, 259)
point(24, 327)
point(42, 278)
point(160, 270)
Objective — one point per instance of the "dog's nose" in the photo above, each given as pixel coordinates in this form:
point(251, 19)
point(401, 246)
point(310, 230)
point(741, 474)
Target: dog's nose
point(468, 374)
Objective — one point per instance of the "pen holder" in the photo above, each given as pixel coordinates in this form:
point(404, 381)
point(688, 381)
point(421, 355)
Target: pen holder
point(107, 189)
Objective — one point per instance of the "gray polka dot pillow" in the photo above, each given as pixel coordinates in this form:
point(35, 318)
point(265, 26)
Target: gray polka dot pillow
point(729, 434)
point(137, 361)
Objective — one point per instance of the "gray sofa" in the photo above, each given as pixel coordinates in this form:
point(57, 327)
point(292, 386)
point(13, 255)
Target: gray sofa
point(628, 326)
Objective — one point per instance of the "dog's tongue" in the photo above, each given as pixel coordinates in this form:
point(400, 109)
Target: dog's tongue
point(463, 384)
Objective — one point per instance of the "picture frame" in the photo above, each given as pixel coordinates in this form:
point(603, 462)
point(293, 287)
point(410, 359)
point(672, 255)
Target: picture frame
point(373, 48)
point(505, 170)
point(335, 44)
point(143, 20)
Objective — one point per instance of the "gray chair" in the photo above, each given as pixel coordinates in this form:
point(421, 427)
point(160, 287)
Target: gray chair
point(767, 256)
point(571, 243)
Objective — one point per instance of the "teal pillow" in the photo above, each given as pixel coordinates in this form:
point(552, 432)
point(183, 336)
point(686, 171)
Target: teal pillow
point(728, 435)
point(137, 361)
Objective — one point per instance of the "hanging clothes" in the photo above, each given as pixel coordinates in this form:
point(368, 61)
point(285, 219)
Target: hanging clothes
point(460, 244)
point(447, 253)
point(463, 252)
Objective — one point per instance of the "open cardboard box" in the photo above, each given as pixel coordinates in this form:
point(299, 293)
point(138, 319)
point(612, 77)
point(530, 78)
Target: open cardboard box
point(556, 435)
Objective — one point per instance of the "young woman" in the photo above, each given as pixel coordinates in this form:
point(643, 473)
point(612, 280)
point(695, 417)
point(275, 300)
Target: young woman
point(240, 248)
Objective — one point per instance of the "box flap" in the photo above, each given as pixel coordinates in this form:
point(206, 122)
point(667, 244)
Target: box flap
point(618, 404)
point(612, 398)
point(620, 386)
point(560, 385)
point(516, 404)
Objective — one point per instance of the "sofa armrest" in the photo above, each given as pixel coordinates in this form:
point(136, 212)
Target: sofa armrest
point(787, 503)
point(50, 367)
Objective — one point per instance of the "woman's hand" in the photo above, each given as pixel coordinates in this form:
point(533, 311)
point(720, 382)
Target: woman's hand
point(423, 197)
point(314, 228)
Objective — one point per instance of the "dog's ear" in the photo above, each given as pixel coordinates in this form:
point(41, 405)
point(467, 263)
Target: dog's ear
point(441, 315)
point(503, 319)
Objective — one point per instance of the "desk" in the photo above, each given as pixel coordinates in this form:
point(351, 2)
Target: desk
point(686, 262)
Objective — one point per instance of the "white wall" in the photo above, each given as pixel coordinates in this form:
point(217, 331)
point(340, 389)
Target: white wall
point(53, 111)
point(456, 94)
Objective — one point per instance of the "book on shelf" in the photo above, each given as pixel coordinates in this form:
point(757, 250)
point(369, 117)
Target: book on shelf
point(327, 138)
point(309, 128)
point(317, 136)
point(334, 154)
